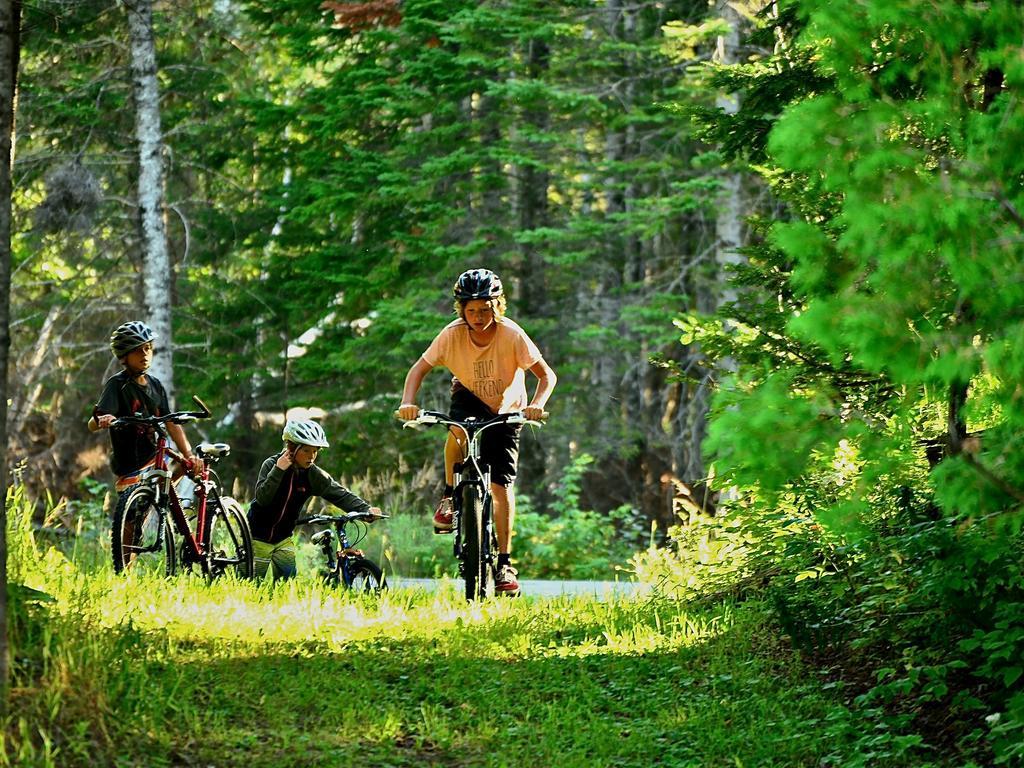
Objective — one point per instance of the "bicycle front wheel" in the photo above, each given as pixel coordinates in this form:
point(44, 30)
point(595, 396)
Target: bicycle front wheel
point(229, 545)
point(141, 539)
point(475, 566)
point(364, 576)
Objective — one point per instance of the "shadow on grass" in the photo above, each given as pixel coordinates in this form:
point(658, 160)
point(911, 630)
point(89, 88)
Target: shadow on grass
point(462, 698)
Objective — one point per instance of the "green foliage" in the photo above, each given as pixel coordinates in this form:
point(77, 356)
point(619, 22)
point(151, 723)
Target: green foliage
point(874, 323)
point(574, 543)
point(129, 671)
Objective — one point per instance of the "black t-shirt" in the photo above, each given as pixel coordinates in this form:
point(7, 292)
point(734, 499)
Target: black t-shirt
point(132, 446)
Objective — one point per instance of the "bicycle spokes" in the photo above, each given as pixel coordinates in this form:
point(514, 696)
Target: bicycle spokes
point(142, 538)
point(229, 547)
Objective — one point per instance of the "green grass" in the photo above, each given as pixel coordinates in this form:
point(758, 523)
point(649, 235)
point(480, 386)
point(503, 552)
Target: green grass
point(160, 673)
point(130, 672)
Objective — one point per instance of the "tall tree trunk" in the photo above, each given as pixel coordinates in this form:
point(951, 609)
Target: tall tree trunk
point(608, 299)
point(729, 221)
point(534, 179)
point(24, 398)
point(10, 47)
point(156, 262)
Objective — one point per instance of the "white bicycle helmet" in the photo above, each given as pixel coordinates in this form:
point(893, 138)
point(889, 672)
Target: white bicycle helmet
point(305, 432)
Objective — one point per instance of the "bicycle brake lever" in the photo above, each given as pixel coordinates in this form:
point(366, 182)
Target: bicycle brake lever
point(206, 411)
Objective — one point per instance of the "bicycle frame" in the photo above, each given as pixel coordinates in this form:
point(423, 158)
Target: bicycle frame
point(341, 556)
point(156, 481)
point(160, 477)
point(469, 472)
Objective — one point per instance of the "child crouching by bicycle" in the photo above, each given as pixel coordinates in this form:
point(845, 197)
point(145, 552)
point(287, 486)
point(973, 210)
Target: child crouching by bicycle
point(135, 391)
point(287, 480)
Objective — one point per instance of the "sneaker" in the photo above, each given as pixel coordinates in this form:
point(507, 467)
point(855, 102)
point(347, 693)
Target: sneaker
point(443, 516)
point(507, 580)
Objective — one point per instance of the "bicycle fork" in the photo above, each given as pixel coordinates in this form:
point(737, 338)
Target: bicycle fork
point(161, 515)
point(487, 530)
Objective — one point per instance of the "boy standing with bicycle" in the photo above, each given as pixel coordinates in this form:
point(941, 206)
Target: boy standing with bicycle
point(134, 391)
point(286, 482)
point(488, 356)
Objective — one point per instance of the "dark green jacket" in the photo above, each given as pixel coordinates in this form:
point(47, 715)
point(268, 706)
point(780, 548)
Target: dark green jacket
point(282, 493)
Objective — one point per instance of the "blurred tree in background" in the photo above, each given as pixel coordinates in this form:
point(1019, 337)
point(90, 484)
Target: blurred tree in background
point(330, 171)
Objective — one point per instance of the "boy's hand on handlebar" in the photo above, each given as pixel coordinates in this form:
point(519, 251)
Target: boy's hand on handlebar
point(533, 413)
point(408, 411)
point(375, 511)
point(104, 420)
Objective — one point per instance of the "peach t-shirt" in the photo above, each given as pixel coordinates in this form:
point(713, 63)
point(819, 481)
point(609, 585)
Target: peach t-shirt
point(495, 373)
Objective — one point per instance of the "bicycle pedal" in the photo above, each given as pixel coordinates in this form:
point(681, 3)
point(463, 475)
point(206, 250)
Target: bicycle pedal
point(440, 531)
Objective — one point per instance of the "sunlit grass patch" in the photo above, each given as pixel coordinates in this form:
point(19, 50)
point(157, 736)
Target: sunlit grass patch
point(127, 670)
point(305, 611)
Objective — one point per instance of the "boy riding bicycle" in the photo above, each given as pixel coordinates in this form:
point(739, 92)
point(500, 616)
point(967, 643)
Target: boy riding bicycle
point(487, 355)
point(135, 391)
point(286, 482)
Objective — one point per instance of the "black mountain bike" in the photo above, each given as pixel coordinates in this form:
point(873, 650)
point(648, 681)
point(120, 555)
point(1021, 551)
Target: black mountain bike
point(346, 565)
point(476, 542)
point(156, 530)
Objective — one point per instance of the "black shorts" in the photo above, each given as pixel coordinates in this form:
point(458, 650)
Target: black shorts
point(499, 445)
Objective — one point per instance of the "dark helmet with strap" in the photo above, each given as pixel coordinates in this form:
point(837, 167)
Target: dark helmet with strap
point(477, 284)
point(129, 336)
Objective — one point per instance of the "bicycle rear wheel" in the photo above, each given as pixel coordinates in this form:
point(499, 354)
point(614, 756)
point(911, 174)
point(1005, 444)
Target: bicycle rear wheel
point(141, 537)
point(229, 545)
point(365, 576)
point(475, 565)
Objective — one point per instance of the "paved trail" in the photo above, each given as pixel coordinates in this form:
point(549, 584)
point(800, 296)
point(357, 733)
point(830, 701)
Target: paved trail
point(534, 588)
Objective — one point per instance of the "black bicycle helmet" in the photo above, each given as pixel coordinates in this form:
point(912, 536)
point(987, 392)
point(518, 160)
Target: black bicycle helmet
point(129, 336)
point(477, 284)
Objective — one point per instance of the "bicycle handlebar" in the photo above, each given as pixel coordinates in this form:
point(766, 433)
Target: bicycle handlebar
point(178, 417)
point(427, 418)
point(348, 517)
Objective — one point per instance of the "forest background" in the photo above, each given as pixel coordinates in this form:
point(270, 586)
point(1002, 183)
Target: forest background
point(811, 210)
point(328, 173)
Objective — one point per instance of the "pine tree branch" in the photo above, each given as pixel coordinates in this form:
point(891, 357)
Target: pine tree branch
point(993, 478)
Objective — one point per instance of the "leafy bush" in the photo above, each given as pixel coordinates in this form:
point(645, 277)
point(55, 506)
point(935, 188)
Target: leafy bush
point(573, 543)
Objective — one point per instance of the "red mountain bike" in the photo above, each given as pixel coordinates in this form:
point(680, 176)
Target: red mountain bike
point(155, 530)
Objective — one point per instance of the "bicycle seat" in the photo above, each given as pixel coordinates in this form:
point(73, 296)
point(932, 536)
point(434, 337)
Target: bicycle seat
point(321, 537)
point(216, 450)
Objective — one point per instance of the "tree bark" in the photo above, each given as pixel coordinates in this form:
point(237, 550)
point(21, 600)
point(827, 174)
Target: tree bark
point(533, 189)
point(10, 47)
point(156, 262)
point(729, 218)
point(729, 221)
